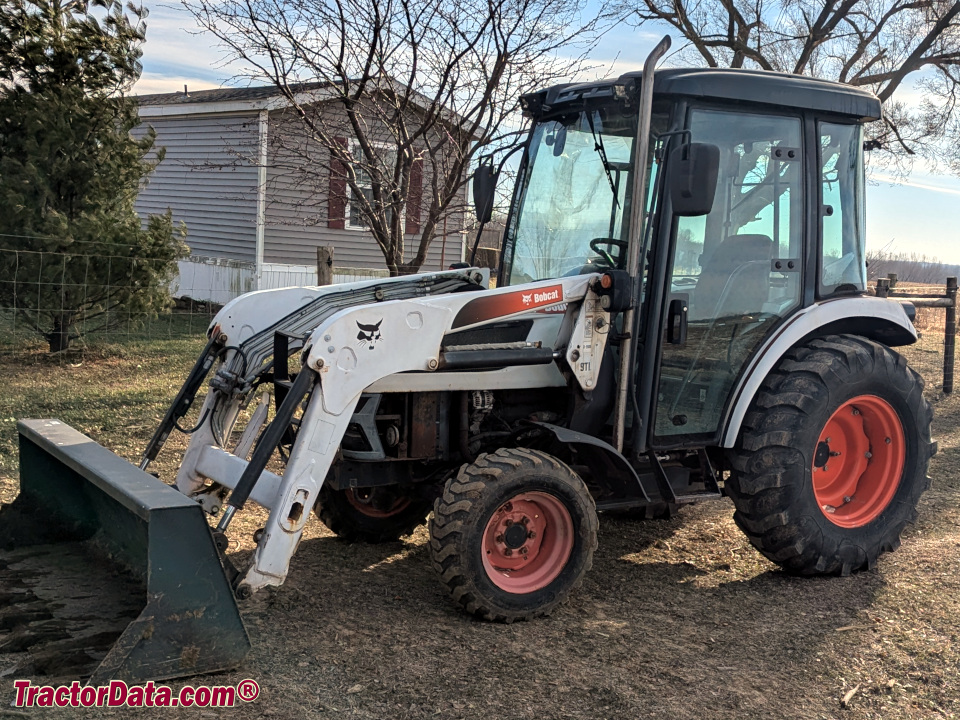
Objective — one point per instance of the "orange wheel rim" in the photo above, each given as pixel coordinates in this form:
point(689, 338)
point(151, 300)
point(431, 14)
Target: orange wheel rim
point(858, 461)
point(362, 499)
point(527, 542)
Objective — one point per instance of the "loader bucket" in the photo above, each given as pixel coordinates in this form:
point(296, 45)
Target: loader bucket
point(106, 571)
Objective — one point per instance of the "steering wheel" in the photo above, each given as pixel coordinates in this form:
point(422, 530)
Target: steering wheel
point(610, 243)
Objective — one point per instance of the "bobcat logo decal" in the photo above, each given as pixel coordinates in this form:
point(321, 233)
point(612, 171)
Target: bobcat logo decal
point(369, 334)
point(527, 298)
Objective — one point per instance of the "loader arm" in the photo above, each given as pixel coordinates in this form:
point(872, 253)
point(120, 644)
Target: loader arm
point(244, 332)
point(347, 353)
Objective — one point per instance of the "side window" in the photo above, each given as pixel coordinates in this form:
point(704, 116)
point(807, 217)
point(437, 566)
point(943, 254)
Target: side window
point(726, 257)
point(842, 265)
point(736, 272)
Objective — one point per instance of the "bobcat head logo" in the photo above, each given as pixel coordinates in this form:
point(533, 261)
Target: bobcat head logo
point(369, 334)
point(526, 298)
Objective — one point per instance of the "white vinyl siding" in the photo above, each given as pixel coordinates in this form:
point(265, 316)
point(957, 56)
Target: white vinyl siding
point(296, 212)
point(209, 179)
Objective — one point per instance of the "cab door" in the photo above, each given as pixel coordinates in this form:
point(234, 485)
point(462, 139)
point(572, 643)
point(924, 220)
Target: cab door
point(732, 274)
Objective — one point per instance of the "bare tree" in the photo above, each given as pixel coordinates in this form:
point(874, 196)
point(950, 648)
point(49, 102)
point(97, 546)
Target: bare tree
point(876, 44)
point(412, 91)
point(910, 267)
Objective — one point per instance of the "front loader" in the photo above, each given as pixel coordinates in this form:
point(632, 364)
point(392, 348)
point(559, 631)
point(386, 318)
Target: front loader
point(681, 313)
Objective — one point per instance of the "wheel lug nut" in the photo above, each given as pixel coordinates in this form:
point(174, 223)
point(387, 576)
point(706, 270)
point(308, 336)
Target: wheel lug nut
point(509, 522)
point(531, 535)
point(847, 498)
point(856, 412)
point(868, 455)
point(525, 520)
point(887, 441)
point(500, 538)
point(523, 550)
point(508, 552)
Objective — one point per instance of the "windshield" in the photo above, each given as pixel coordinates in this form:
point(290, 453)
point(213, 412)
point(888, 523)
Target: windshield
point(574, 196)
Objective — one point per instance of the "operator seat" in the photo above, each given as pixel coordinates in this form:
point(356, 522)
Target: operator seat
point(734, 279)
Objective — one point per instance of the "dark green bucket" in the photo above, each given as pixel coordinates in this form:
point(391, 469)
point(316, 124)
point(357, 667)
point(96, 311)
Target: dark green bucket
point(87, 526)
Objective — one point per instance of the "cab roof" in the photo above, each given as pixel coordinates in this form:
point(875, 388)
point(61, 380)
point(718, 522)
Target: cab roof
point(724, 84)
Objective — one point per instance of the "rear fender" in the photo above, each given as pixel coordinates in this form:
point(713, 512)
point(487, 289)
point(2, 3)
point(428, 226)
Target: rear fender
point(880, 319)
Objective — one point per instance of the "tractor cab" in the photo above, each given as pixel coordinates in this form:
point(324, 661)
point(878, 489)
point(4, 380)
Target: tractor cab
point(767, 220)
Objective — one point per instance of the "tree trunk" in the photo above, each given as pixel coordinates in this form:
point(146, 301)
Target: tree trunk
point(325, 265)
point(59, 337)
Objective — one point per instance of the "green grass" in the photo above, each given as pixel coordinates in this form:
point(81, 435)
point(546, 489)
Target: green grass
point(113, 387)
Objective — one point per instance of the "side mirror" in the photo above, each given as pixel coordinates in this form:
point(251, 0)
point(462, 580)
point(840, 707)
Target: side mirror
point(484, 188)
point(692, 173)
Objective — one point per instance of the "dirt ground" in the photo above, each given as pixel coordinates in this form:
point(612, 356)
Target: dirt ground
point(678, 619)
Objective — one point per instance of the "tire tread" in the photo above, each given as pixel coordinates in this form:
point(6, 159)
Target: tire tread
point(763, 482)
point(452, 519)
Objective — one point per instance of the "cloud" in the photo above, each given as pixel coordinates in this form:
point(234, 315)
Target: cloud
point(914, 183)
point(177, 49)
point(150, 83)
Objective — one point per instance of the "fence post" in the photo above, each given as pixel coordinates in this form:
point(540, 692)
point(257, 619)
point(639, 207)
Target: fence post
point(883, 287)
point(950, 336)
point(325, 265)
point(892, 277)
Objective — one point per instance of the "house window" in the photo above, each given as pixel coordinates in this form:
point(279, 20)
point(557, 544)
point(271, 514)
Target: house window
point(355, 218)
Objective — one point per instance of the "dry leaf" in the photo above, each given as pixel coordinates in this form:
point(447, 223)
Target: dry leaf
point(845, 702)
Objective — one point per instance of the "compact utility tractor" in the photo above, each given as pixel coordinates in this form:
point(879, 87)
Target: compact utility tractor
point(681, 312)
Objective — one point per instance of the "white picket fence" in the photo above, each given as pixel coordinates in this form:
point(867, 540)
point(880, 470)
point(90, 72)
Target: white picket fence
point(220, 280)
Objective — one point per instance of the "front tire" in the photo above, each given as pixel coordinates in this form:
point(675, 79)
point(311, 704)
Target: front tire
point(371, 515)
point(832, 457)
point(513, 535)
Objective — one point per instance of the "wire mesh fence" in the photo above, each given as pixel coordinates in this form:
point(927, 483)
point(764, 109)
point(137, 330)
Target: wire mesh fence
point(67, 302)
point(935, 321)
point(70, 303)
point(926, 355)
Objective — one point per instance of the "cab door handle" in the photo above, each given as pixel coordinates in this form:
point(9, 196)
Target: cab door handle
point(677, 322)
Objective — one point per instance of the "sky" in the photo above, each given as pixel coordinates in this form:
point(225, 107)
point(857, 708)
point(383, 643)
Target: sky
point(920, 214)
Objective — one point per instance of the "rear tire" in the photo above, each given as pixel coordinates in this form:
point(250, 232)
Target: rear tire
point(371, 515)
point(513, 535)
point(832, 457)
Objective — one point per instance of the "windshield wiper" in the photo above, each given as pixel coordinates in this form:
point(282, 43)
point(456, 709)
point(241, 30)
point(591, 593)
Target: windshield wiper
point(598, 146)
